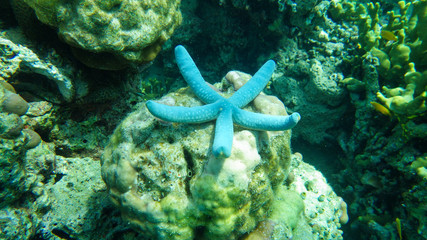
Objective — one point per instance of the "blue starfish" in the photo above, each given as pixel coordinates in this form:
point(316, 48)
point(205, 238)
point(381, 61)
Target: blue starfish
point(224, 110)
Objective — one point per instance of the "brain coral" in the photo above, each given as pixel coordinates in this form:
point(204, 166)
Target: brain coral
point(111, 34)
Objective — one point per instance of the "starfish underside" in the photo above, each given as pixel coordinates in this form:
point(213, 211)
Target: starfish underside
point(226, 111)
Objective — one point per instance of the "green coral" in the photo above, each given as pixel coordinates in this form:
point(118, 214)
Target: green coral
point(410, 50)
point(365, 16)
point(400, 45)
point(420, 166)
point(369, 29)
point(408, 101)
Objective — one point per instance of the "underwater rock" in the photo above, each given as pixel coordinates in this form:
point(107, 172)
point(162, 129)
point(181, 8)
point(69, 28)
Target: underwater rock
point(167, 176)
point(11, 125)
point(17, 223)
point(79, 194)
point(21, 167)
point(17, 175)
point(17, 58)
point(168, 185)
point(325, 210)
point(12, 172)
point(312, 90)
point(323, 85)
point(50, 187)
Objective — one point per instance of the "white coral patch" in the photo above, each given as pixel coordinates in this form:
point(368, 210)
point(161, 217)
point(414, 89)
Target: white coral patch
point(237, 169)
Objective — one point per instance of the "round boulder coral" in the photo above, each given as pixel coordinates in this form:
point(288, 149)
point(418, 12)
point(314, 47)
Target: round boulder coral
point(111, 34)
point(32, 139)
point(169, 185)
point(13, 103)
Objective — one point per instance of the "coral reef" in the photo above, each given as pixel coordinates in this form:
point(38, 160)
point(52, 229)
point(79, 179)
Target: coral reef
point(400, 48)
point(111, 34)
point(168, 185)
point(411, 100)
point(17, 223)
point(310, 87)
point(355, 71)
point(38, 185)
point(386, 84)
point(171, 167)
point(77, 195)
point(311, 49)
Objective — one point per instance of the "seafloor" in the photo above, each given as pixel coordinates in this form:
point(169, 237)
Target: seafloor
point(81, 156)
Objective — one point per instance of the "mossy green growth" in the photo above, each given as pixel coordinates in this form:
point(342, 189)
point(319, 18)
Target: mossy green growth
point(225, 209)
point(154, 88)
point(287, 207)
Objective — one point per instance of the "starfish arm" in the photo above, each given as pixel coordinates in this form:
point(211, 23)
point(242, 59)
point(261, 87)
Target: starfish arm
point(193, 77)
point(259, 121)
point(254, 86)
point(223, 134)
point(183, 114)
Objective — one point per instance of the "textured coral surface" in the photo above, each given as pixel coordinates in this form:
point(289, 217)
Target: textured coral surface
point(120, 31)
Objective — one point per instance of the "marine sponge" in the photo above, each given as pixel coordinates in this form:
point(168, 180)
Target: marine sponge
point(111, 34)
